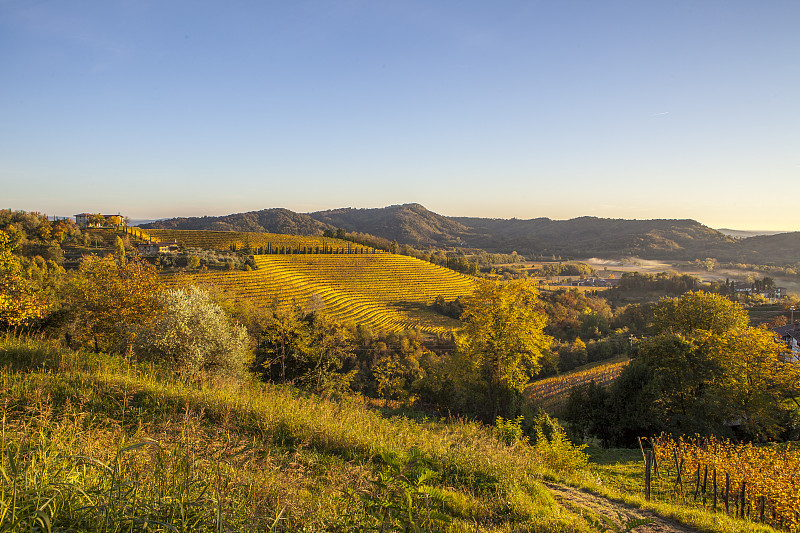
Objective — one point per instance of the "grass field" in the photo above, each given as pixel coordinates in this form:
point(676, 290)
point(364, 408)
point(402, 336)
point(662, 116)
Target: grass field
point(96, 443)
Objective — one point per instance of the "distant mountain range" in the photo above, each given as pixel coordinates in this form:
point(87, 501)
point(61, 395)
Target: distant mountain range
point(581, 237)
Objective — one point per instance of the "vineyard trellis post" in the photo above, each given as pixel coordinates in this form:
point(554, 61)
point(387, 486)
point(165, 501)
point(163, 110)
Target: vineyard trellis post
point(648, 466)
point(705, 483)
point(742, 501)
point(715, 489)
point(727, 492)
point(697, 483)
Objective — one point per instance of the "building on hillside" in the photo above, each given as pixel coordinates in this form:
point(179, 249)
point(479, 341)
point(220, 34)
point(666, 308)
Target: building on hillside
point(93, 220)
point(774, 293)
point(595, 282)
point(790, 335)
point(151, 248)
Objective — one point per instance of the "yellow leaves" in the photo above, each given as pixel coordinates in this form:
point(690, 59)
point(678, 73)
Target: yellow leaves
point(769, 471)
point(109, 295)
point(20, 300)
point(503, 332)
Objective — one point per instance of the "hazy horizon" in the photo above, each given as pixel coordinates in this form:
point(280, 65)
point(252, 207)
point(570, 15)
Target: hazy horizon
point(523, 109)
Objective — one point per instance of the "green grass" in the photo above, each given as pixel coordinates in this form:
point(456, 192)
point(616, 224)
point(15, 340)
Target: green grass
point(97, 444)
point(92, 442)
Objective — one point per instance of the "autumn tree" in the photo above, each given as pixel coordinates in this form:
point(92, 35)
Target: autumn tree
point(502, 341)
point(107, 296)
point(281, 344)
point(21, 301)
point(705, 371)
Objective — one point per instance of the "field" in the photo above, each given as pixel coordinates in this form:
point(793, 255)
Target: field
point(264, 243)
point(551, 394)
point(384, 291)
point(95, 443)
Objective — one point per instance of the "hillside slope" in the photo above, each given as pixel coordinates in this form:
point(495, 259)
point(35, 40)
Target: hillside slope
point(407, 224)
point(383, 291)
point(276, 220)
point(580, 237)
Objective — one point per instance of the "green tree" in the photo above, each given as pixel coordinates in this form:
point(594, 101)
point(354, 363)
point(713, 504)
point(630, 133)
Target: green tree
point(698, 311)
point(329, 346)
point(192, 333)
point(706, 370)
point(283, 341)
point(502, 340)
point(119, 249)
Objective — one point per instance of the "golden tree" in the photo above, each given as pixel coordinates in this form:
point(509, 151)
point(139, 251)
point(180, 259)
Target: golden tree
point(502, 340)
point(109, 295)
point(20, 300)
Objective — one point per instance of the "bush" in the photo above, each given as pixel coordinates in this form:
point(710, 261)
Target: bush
point(192, 333)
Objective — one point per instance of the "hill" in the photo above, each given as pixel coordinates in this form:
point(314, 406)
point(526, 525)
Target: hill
point(407, 224)
point(581, 237)
point(386, 292)
point(275, 220)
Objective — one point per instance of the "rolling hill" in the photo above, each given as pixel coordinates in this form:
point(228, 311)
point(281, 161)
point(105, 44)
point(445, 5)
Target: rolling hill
point(386, 292)
point(581, 237)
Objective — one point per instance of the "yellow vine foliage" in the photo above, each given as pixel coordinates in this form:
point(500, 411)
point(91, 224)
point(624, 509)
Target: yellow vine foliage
point(770, 471)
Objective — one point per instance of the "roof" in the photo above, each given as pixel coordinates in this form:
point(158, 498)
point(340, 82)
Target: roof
point(789, 330)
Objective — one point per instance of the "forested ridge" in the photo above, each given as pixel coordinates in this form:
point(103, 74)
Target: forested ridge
point(413, 224)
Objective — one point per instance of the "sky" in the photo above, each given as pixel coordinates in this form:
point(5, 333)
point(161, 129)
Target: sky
point(617, 109)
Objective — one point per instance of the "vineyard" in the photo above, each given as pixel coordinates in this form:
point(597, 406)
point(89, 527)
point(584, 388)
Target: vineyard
point(551, 394)
point(383, 291)
point(258, 243)
point(748, 481)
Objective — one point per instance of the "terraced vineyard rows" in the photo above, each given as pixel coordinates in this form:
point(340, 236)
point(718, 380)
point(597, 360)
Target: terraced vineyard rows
point(551, 394)
point(384, 291)
point(267, 243)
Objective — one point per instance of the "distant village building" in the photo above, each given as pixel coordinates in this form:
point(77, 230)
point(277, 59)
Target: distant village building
point(150, 248)
point(595, 282)
point(94, 220)
point(790, 335)
point(774, 293)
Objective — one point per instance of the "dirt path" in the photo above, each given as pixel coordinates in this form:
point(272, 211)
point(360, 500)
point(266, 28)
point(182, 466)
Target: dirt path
point(573, 498)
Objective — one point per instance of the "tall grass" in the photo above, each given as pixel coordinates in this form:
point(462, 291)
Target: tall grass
point(94, 443)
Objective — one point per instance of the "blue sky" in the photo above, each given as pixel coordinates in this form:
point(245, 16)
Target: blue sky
point(635, 109)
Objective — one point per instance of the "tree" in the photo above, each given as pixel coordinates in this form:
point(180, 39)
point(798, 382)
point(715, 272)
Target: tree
point(20, 300)
point(707, 371)
point(698, 310)
point(192, 333)
point(281, 344)
point(107, 296)
point(119, 249)
point(329, 345)
point(502, 340)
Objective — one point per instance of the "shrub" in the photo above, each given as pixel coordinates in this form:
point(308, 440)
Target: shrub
point(193, 333)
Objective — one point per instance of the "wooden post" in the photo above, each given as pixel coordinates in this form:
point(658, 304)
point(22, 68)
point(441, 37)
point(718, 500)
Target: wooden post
point(678, 467)
point(727, 492)
point(742, 501)
point(705, 483)
point(648, 465)
point(697, 483)
point(761, 510)
point(715, 489)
